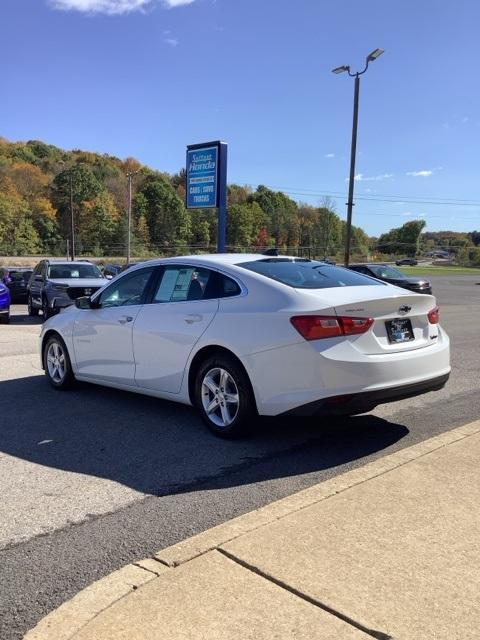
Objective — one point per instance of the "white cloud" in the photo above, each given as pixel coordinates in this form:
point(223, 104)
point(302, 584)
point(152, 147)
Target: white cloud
point(424, 173)
point(173, 42)
point(109, 7)
point(177, 3)
point(415, 215)
point(112, 7)
point(329, 155)
point(360, 177)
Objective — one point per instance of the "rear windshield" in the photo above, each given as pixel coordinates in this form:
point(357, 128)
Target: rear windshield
point(74, 271)
point(308, 274)
point(20, 275)
point(384, 271)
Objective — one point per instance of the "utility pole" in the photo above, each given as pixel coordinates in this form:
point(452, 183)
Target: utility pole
point(72, 220)
point(353, 153)
point(129, 175)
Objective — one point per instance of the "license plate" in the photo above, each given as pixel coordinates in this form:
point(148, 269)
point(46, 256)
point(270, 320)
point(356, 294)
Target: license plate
point(400, 330)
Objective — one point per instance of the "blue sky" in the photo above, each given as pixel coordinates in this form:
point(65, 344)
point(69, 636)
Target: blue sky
point(144, 78)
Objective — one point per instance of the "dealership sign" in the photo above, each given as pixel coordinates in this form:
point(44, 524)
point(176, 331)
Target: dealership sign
point(206, 183)
point(202, 176)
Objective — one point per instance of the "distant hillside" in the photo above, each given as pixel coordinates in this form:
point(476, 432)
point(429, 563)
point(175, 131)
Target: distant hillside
point(37, 180)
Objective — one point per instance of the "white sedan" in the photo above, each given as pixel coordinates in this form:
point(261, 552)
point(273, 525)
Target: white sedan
point(238, 335)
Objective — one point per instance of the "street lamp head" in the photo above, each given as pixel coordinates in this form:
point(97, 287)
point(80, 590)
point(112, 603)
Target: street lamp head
point(341, 69)
point(376, 53)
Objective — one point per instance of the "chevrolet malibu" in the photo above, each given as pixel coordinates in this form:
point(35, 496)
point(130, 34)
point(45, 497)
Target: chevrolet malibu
point(238, 335)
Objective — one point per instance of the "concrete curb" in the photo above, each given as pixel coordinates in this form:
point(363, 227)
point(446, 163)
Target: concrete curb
point(69, 618)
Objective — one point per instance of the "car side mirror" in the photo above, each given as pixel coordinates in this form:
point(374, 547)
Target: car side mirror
point(85, 302)
point(108, 276)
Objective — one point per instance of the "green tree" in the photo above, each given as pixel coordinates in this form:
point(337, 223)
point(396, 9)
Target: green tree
point(244, 224)
point(168, 220)
point(409, 236)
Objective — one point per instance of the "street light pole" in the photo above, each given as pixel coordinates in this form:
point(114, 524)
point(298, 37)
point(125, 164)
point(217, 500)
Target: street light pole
point(353, 151)
point(351, 181)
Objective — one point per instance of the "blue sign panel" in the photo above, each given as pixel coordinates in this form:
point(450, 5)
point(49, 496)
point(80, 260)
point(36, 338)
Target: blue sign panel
point(202, 176)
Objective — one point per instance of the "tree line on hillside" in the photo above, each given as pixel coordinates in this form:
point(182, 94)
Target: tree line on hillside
point(40, 182)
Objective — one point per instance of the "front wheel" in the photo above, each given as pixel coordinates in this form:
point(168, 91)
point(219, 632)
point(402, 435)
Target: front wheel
point(224, 397)
point(5, 318)
point(56, 361)
point(32, 311)
point(47, 312)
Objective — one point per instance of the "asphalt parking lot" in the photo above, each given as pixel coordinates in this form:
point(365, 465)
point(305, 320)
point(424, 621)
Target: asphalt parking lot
point(95, 478)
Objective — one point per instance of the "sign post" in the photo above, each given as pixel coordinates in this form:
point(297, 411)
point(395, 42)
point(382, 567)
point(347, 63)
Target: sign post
point(207, 182)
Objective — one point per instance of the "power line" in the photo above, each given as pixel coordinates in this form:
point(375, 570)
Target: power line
point(379, 197)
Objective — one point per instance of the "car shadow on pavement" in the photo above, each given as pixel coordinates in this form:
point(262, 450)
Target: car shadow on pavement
point(162, 448)
point(23, 320)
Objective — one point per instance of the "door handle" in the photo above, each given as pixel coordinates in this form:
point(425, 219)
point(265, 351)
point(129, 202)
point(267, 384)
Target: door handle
point(193, 317)
point(125, 319)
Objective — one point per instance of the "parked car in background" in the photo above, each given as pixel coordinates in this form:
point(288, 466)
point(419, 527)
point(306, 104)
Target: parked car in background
point(56, 284)
point(111, 270)
point(238, 335)
point(4, 304)
point(411, 262)
point(4, 275)
point(393, 276)
point(18, 284)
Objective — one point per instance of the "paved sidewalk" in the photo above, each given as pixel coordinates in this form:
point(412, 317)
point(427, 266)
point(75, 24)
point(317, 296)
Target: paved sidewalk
point(389, 550)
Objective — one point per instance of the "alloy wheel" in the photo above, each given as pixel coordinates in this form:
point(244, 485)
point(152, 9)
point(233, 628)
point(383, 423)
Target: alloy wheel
point(220, 397)
point(56, 362)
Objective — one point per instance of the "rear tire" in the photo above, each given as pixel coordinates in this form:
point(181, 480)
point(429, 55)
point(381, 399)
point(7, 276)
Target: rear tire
point(5, 318)
point(224, 397)
point(56, 362)
point(32, 311)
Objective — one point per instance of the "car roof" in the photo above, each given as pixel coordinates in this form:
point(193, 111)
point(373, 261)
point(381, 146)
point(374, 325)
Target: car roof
point(370, 264)
point(17, 268)
point(219, 259)
point(75, 263)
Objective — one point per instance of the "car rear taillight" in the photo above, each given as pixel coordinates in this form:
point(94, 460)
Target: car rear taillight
point(352, 326)
point(318, 327)
point(434, 316)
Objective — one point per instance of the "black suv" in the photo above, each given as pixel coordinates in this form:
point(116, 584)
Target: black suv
point(393, 276)
point(16, 279)
point(56, 284)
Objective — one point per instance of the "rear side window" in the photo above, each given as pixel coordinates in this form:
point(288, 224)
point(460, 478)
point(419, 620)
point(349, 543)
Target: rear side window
point(227, 287)
point(181, 283)
point(308, 274)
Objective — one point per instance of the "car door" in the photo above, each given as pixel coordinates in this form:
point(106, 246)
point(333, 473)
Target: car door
point(102, 336)
point(183, 305)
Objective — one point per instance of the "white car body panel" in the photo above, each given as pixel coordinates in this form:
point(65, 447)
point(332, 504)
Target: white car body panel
point(153, 353)
point(103, 343)
point(163, 338)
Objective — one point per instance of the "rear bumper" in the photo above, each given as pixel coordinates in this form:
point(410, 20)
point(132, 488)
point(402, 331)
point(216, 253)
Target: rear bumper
point(310, 373)
point(366, 401)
